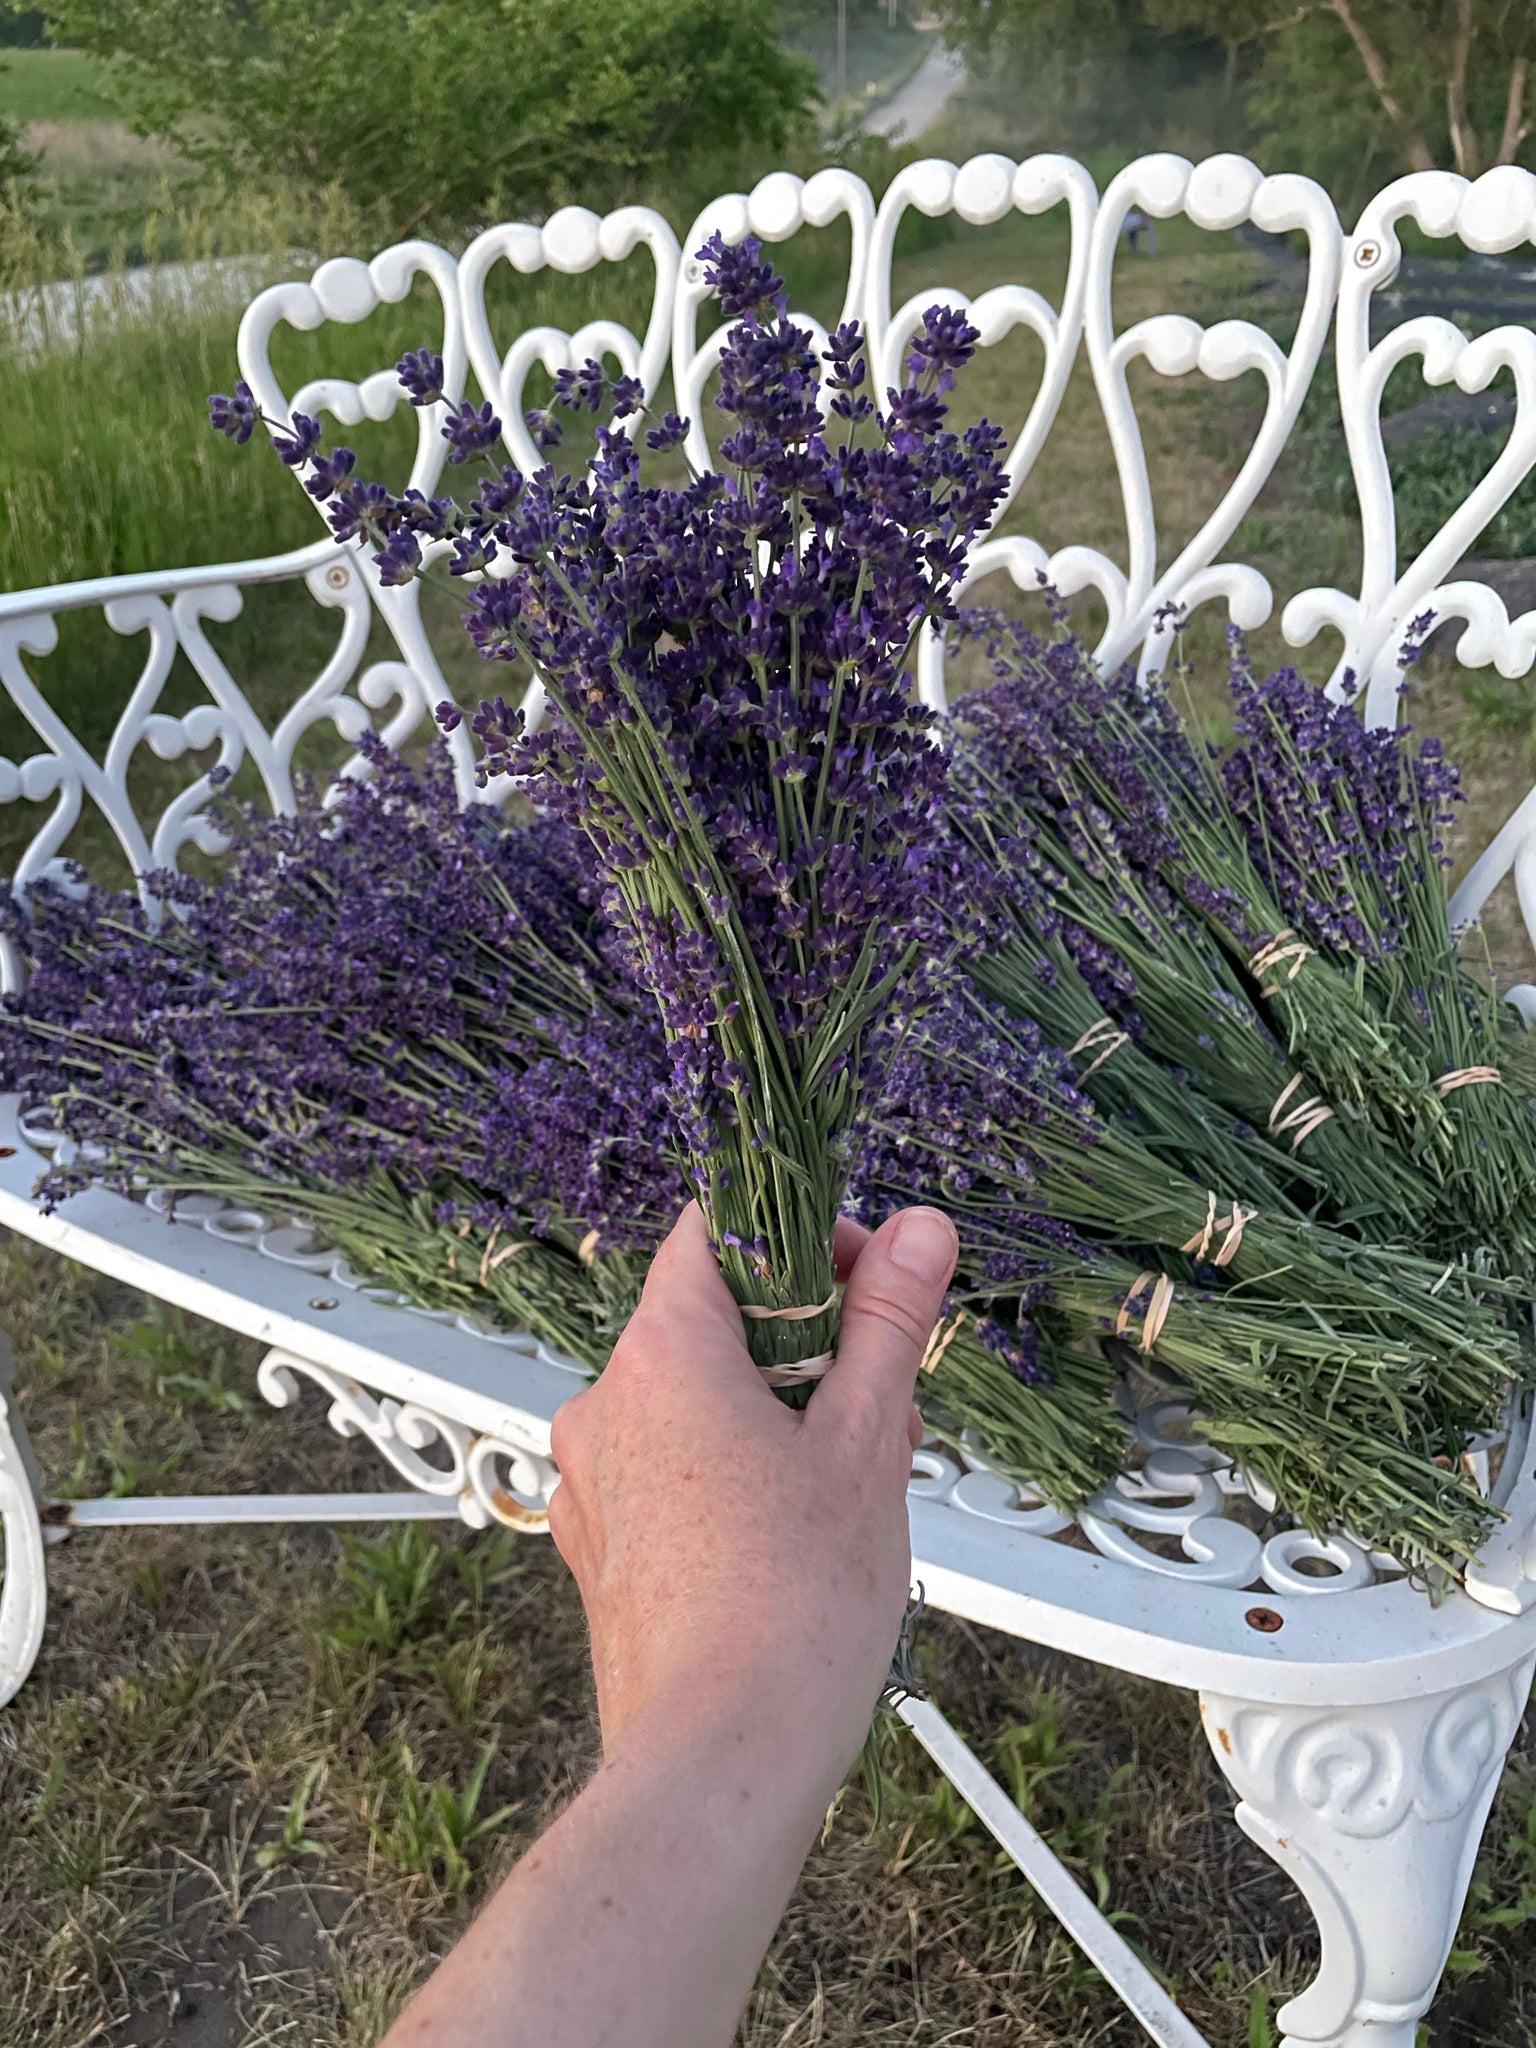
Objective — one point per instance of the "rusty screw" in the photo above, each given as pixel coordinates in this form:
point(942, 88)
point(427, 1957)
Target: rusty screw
point(1265, 1620)
point(322, 1301)
point(336, 576)
point(1366, 255)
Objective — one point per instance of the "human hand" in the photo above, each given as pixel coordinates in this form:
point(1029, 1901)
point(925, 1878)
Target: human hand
point(744, 1565)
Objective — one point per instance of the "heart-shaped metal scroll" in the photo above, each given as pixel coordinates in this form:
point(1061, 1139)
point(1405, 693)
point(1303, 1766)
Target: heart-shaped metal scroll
point(570, 241)
point(982, 191)
point(1219, 194)
point(776, 208)
point(347, 290)
point(1494, 214)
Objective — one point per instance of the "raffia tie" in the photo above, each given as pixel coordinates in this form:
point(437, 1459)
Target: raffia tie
point(940, 1338)
point(799, 1370)
point(1106, 1036)
point(1276, 952)
point(489, 1263)
point(1303, 1120)
point(1233, 1225)
point(1466, 1077)
point(1157, 1309)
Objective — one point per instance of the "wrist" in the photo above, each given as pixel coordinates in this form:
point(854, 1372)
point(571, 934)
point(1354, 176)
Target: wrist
point(770, 1763)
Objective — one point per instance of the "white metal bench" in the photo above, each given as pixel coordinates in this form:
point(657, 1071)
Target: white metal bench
point(1363, 1728)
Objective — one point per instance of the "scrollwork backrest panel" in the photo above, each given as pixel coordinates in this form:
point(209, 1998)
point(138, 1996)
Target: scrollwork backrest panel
point(1491, 215)
point(572, 241)
point(153, 819)
point(648, 293)
point(1218, 195)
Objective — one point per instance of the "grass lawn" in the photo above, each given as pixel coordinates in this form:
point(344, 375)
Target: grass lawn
point(51, 85)
point(240, 1783)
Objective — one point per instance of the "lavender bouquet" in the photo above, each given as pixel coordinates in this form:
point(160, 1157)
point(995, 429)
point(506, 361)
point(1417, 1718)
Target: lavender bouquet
point(1349, 828)
point(1338, 1389)
point(733, 726)
point(1100, 824)
point(389, 1018)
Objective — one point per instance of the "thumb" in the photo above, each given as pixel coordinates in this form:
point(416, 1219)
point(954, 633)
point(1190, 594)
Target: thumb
point(893, 1299)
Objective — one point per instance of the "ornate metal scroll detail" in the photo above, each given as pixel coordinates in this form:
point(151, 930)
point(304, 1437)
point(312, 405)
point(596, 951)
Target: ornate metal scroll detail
point(491, 1478)
point(1178, 1489)
point(1220, 193)
point(1348, 1802)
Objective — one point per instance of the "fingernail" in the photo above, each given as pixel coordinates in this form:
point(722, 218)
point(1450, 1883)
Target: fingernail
point(924, 1244)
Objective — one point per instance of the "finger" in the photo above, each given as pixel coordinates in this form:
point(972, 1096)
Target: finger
point(848, 1240)
point(687, 1314)
point(893, 1300)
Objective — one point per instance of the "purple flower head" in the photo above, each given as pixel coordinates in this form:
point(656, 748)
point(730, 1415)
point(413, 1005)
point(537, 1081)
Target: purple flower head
point(399, 558)
point(545, 428)
point(329, 471)
point(744, 286)
point(297, 448)
point(944, 344)
point(668, 433)
point(420, 372)
point(234, 415)
point(363, 510)
point(469, 431)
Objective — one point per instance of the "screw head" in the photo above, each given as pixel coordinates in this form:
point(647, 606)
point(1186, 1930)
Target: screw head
point(1265, 1620)
point(336, 576)
point(322, 1301)
point(1366, 254)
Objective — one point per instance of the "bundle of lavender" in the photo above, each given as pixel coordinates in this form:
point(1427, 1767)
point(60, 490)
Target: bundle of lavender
point(1349, 829)
point(389, 1018)
point(733, 725)
point(1339, 1385)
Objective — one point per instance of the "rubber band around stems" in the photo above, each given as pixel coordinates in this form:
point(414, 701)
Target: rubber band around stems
point(1466, 1077)
point(1275, 952)
point(939, 1340)
point(799, 1370)
point(1157, 1309)
point(1304, 1119)
point(1233, 1225)
point(1104, 1034)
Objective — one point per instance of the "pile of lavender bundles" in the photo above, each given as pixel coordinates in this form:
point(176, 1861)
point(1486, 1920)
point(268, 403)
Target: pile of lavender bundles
point(1183, 1043)
point(389, 1019)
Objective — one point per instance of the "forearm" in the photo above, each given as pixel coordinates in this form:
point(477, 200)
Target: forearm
point(641, 1917)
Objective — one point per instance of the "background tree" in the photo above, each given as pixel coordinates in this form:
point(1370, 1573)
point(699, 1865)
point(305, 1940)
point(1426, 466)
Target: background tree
point(447, 112)
point(1446, 83)
point(1349, 90)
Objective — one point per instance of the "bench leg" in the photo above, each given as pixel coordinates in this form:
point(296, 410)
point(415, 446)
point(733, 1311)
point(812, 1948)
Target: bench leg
point(1376, 1813)
point(24, 1594)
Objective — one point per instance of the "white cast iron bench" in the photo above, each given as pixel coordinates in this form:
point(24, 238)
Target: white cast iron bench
point(1363, 1728)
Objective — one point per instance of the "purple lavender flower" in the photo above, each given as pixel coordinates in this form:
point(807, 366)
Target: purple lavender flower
point(470, 431)
point(420, 371)
point(668, 433)
point(234, 416)
point(296, 449)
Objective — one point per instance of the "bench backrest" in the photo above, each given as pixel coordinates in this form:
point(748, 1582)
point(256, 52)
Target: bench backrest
point(1345, 278)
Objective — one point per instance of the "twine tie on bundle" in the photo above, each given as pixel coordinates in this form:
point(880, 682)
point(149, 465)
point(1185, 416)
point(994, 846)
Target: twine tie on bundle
point(1233, 1225)
point(1284, 946)
point(586, 1251)
point(1466, 1077)
point(488, 1264)
point(940, 1338)
point(1106, 1036)
point(1303, 1120)
point(799, 1370)
point(1157, 1309)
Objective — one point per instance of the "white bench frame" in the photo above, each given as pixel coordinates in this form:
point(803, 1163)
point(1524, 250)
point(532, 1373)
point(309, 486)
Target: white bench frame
point(1363, 1728)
